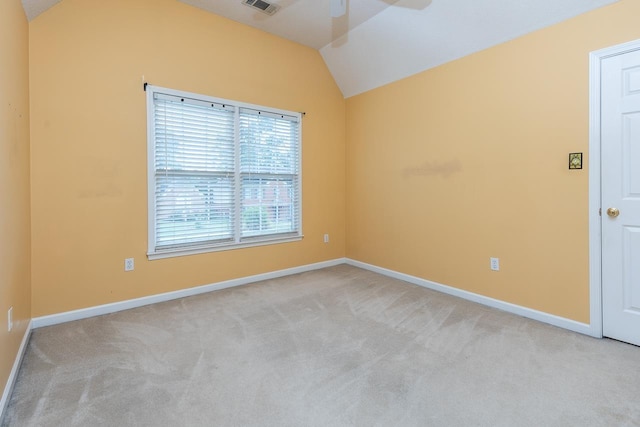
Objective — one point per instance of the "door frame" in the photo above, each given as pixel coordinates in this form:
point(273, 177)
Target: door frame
point(595, 180)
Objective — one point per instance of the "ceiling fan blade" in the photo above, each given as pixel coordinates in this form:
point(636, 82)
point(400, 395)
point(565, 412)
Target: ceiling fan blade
point(409, 4)
point(339, 29)
point(338, 8)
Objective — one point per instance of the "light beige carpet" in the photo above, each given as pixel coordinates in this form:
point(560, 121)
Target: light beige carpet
point(333, 347)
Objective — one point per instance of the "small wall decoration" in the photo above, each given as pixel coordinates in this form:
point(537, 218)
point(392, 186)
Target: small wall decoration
point(575, 160)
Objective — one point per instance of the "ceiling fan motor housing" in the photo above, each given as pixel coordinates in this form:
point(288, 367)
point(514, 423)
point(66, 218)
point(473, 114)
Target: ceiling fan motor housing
point(262, 6)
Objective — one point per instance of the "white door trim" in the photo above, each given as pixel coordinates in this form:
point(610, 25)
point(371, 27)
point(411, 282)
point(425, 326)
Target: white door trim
point(595, 186)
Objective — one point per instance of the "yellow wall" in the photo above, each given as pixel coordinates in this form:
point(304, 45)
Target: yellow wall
point(444, 169)
point(88, 116)
point(15, 270)
point(470, 160)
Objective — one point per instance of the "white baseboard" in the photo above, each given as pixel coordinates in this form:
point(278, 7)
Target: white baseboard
point(54, 319)
point(540, 316)
point(8, 388)
point(84, 313)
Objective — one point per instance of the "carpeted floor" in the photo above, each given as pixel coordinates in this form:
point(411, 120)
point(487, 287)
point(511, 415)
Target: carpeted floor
point(334, 347)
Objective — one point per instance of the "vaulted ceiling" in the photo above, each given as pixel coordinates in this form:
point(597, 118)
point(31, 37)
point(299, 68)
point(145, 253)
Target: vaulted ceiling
point(380, 41)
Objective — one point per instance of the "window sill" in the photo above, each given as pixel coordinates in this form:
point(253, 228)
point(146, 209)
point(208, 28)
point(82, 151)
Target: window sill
point(172, 253)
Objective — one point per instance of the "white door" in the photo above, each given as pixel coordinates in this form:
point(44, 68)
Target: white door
point(620, 157)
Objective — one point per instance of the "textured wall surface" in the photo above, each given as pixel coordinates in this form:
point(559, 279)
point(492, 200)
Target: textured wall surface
point(89, 147)
point(468, 161)
point(15, 240)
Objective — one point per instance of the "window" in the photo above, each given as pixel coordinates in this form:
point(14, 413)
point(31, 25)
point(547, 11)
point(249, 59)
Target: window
point(222, 174)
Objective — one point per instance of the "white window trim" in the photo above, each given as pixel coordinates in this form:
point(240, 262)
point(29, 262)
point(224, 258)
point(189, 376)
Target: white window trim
point(152, 252)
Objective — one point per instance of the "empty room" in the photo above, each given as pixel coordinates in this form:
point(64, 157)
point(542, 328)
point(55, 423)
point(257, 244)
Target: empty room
point(320, 212)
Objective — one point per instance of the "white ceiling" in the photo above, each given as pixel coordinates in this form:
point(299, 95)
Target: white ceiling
point(381, 41)
point(399, 42)
point(33, 8)
point(307, 22)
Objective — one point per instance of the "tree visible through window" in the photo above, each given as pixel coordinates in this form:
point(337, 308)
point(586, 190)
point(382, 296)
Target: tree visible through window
point(221, 174)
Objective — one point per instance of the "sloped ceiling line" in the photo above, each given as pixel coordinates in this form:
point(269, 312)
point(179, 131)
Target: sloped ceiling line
point(386, 40)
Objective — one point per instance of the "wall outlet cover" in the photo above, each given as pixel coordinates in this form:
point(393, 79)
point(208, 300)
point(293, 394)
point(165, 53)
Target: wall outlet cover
point(10, 319)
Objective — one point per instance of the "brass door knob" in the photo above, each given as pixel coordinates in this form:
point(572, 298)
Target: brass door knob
point(613, 212)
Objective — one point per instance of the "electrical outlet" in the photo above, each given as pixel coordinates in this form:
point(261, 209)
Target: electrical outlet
point(495, 264)
point(10, 319)
point(128, 264)
point(326, 238)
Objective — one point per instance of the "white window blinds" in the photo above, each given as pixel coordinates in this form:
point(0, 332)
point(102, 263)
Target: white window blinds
point(221, 175)
point(269, 173)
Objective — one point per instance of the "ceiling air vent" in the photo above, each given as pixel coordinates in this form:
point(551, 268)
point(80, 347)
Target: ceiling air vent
point(262, 6)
